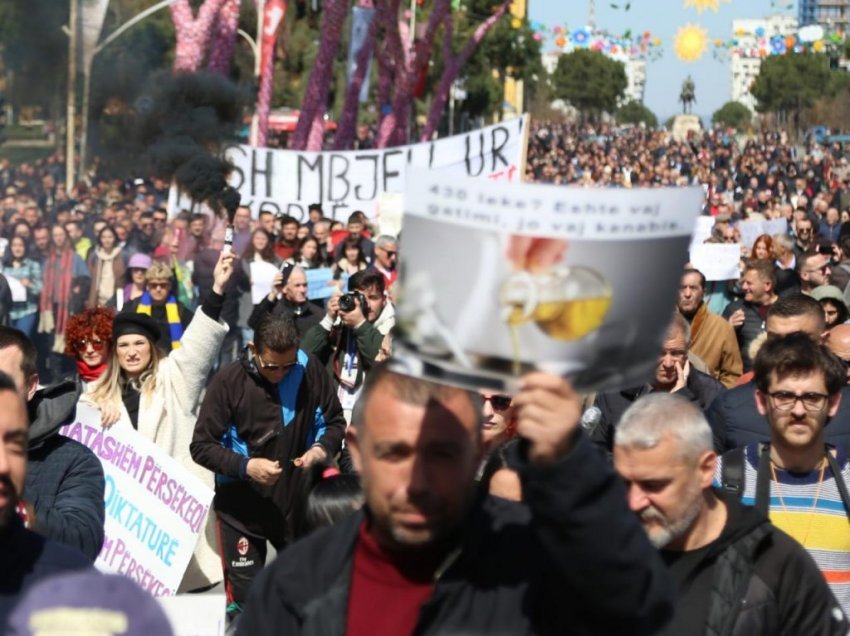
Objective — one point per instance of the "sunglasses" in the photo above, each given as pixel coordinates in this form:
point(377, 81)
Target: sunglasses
point(159, 219)
point(159, 285)
point(82, 345)
point(499, 402)
point(274, 367)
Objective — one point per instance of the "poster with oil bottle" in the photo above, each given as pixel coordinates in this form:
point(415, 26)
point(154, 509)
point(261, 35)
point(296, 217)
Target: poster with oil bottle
point(497, 279)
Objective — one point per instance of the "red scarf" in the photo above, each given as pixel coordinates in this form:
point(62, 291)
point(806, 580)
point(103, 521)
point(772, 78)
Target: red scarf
point(90, 374)
point(62, 300)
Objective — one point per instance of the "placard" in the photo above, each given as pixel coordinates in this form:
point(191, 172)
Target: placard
point(155, 508)
point(321, 283)
point(262, 276)
point(717, 261)
point(498, 279)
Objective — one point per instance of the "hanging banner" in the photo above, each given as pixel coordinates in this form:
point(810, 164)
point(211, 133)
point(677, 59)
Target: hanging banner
point(273, 15)
point(361, 19)
point(287, 181)
point(499, 279)
point(92, 15)
point(155, 508)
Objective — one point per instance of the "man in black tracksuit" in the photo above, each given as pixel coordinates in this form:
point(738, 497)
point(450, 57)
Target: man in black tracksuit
point(429, 556)
point(263, 419)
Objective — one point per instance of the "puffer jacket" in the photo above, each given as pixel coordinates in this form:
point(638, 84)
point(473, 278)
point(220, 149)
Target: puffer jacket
point(64, 481)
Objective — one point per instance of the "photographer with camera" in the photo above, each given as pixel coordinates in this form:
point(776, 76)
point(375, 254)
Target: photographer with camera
point(354, 334)
point(288, 296)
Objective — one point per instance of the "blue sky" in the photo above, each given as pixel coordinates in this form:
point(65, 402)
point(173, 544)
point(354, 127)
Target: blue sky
point(663, 18)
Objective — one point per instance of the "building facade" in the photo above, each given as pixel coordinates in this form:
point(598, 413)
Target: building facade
point(831, 14)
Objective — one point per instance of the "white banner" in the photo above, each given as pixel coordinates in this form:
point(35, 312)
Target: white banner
point(287, 181)
point(155, 508)
point(717, 261)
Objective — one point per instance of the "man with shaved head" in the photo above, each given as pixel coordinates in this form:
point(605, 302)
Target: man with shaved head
point(838, 341)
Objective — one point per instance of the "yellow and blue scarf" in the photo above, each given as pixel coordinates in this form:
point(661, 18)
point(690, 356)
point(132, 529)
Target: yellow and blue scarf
point(175, 327)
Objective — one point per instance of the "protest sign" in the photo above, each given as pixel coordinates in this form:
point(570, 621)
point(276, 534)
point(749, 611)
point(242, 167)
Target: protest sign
point(321, 283)
point(750, 231)
point(287, 181)
point(262, 275)
point(196, 614)
point(155, 508)
point(498, 279)
point(717, 261)
point(390, 212)
point(702, 229)
point(19, 292)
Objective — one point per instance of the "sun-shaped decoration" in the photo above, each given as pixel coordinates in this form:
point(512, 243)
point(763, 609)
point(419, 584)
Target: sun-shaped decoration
point(690, 42)
point(702, 5)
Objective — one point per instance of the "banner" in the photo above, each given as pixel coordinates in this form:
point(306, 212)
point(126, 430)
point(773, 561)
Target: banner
point(499, 279)
point(273, 15)
point(717, 261)
point(155, 508)
point(287, 181)
point(92, 15)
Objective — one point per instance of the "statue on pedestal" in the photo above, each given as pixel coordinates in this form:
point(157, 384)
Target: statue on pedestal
point(688, 95)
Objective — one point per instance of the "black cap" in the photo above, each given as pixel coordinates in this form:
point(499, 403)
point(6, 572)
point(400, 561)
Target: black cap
point(132, 323)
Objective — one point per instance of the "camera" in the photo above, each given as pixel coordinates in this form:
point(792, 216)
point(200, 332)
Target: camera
point(348, 302)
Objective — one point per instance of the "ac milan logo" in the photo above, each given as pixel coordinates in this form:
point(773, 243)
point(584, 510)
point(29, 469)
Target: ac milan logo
point(242, 546)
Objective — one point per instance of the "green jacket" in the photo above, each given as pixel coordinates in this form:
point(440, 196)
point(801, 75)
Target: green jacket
point(330, 347)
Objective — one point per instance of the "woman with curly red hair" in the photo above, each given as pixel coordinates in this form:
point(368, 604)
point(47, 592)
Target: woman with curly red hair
point(88, 341)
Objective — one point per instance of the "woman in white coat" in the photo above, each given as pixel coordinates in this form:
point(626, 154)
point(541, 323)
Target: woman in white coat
point(160, 395)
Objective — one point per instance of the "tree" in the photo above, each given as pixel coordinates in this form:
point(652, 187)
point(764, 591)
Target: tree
point(589, 81)
point(732, 114)
point(633, 112)
point(787, 84)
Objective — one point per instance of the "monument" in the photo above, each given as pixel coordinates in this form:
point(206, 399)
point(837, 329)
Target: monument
point(687, 122)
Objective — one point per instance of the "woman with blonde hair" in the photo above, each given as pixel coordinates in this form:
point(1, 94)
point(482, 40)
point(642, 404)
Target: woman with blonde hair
point(159, 395)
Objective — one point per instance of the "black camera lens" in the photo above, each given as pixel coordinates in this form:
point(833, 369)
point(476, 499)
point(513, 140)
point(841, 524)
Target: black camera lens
point(346, 302)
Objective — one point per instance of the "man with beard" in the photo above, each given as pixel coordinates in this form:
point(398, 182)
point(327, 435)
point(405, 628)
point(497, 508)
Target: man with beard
point(712, 338)
point(734, 572)
point(814, 271)
point(26, 557)
point(796, 478)
point(427, 555)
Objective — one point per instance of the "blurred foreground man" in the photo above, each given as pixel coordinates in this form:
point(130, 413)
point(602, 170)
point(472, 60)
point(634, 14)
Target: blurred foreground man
point(429, 555)
point(736, 574)
point(25, 557)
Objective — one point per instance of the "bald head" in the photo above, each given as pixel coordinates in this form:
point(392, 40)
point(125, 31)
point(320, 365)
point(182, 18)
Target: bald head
point(838, 341)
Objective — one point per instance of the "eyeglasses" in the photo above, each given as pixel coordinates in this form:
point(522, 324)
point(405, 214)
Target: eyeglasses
point(499, 402)
point(154, 285)
point(82, 345)
point(159, 219)
point(785, 400)
point(390, 252)
point(274, 367)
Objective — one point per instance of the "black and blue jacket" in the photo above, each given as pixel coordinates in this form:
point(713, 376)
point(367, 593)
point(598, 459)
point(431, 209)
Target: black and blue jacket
point(244, 416)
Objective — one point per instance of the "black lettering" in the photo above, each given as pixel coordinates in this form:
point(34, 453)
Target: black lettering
point(431, 155)
point(292, 208)
point(388, 174)
point(497, 147)
point(237, 177)
point(267, 172)
point(269, 205)
point(335, 158)
point(300, 175)
point(466, 158)
point(357, 188)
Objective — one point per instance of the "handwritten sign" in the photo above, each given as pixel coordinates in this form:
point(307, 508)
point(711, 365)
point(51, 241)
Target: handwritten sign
point(287, 181)
point(155, 508)
point(717, 261)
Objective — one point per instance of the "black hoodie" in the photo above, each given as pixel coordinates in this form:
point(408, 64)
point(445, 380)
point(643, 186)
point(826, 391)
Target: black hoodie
point(64, 480)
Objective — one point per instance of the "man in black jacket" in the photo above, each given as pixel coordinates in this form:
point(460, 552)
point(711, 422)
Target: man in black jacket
point(736, 574)
point(430, 554)
point(673, 374)
point(734, 419)
point(25, 557)
point(288, 296)
point(263, 419)
point(65, 481)
point(748, 315)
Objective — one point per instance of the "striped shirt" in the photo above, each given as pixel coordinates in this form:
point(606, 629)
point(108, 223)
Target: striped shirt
point(812, 514)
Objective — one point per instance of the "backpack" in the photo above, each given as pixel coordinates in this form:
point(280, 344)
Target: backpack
point(732, 477)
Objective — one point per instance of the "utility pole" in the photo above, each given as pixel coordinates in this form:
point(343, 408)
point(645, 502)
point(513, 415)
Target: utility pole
point(71, 115)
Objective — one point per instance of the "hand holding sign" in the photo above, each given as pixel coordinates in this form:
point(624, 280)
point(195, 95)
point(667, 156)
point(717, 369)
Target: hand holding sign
point(548, 413)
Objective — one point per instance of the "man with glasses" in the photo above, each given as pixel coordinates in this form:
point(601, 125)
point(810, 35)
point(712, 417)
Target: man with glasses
point(804, 231)
point(814, 271)
point(797, 478)
point(160, 303)
point(264, 419)
point(386, 258)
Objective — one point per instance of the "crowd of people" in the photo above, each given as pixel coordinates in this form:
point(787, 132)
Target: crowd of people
point(712, 499)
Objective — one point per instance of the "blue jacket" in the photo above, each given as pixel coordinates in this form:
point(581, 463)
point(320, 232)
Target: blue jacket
point(64, 480)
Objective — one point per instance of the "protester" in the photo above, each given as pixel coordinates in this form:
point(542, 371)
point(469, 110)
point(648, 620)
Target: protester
point(107, 268)
point(386, 259)
point(327, 496)
point(838, 342)
point(747, 315)
point(159, 395)
point(352, 261)
point(159, 302)
point(307, 254)
point(89, 342)
point(64, 482)
point(832, 300)
point(428, 555)
point(713, 339)
point(137, 267)
point(263, 419)
point(814, 271)
point(796, 478)
point(17, 264)
point(27, 557)
point(735, 573)
point(356, 233)
point(288, 296)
